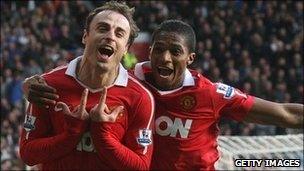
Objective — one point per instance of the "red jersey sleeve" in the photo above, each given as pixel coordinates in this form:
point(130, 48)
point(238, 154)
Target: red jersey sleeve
point(230, 102)
point(38, 144)
point(135, 152)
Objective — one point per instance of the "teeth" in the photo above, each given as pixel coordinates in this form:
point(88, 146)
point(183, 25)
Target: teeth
point(106, 47)
point(165, 68)
point(164, 71)
point(109, 48)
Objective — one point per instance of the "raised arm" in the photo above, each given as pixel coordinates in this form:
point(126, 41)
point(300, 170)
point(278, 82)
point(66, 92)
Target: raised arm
point(289, 115)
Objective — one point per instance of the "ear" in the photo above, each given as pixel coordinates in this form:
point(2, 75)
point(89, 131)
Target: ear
point(191, 58)
point(84, 36)
point(125, 53)
point(150, 52)
point(127, 48)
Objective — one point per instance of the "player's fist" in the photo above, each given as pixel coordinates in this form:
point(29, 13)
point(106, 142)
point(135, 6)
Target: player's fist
point(101, 113)
point(80, 111)
point(38, 92)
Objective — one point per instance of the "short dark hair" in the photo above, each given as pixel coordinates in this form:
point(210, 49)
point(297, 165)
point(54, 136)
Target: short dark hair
point(120, 7)
point(179, 27)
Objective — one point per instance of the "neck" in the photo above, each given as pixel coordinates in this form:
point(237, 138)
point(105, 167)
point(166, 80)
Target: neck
point(93, 76)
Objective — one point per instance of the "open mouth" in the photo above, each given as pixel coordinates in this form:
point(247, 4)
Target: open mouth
point(105, 52)
point(164, 71)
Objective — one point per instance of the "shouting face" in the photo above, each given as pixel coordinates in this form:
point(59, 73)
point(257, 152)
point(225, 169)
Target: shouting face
point(106, 40)
point(169, 57)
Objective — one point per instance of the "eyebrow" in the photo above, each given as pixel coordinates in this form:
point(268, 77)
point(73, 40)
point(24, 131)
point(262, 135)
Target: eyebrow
point(107, 24)
point(177, 46)
point(102, 24)
point(172, 45)
point(119, 29)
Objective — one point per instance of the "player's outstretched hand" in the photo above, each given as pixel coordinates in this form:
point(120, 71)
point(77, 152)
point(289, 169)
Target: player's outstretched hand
point(38, 92)
point(101, 113)
point(80, 111)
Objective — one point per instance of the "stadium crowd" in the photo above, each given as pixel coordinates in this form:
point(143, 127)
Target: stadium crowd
point(256, 46)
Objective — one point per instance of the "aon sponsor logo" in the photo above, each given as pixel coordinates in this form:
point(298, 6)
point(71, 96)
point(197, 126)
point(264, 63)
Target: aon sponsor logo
point(172, 127)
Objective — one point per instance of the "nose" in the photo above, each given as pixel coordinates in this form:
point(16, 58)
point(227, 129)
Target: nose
point(110, 35)
point(166, 56)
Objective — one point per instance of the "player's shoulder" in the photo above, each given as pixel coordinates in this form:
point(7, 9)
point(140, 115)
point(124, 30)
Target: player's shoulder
point(213, 89)
point(201, 81)
point(55, 73)
point(137, 87)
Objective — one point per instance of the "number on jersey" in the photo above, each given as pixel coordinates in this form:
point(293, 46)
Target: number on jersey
point(86, 143)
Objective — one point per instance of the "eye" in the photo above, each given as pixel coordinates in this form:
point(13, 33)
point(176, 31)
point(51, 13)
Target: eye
point(119, 34)
point(102, 29)
point(176, 52)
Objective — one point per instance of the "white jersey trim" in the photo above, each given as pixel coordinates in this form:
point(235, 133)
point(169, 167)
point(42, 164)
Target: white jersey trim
point(138, 72)
point(152, 111)
point(151, 97)
point(121, 80)
point(55, 69)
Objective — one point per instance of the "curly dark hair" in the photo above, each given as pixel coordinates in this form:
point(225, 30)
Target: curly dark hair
point(179, 27)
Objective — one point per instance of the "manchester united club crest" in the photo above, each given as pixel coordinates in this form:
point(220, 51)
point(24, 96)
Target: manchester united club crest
point(187, 102)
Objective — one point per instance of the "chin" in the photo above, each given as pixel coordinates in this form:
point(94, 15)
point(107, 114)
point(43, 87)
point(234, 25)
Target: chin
point(102, 66)
point(167, 88)
point(163, 85)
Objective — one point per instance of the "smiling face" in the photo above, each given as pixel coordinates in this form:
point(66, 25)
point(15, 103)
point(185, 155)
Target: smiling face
point(106, 40)
point(169, 57)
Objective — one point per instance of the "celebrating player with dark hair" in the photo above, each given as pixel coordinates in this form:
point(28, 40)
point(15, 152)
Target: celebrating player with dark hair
point(102, 119)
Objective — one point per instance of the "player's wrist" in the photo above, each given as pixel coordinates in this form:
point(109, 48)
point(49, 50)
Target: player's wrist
point(103, 129)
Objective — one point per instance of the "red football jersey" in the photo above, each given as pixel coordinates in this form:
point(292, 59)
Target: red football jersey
point(186, 120)
point(57, 141)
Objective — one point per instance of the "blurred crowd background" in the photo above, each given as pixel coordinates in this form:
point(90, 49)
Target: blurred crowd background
point(255, 46)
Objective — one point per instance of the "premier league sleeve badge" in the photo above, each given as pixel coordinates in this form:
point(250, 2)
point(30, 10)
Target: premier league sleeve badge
point(29, 123)
point(144, 138)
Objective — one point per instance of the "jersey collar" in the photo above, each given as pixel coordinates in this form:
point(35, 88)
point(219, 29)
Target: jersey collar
point(121, 80)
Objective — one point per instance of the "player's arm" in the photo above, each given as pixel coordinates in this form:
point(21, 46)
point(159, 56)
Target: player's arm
point(289, 115)
point(135, 153)
point(38, 145)
point(38, 92)
point(236, 105)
